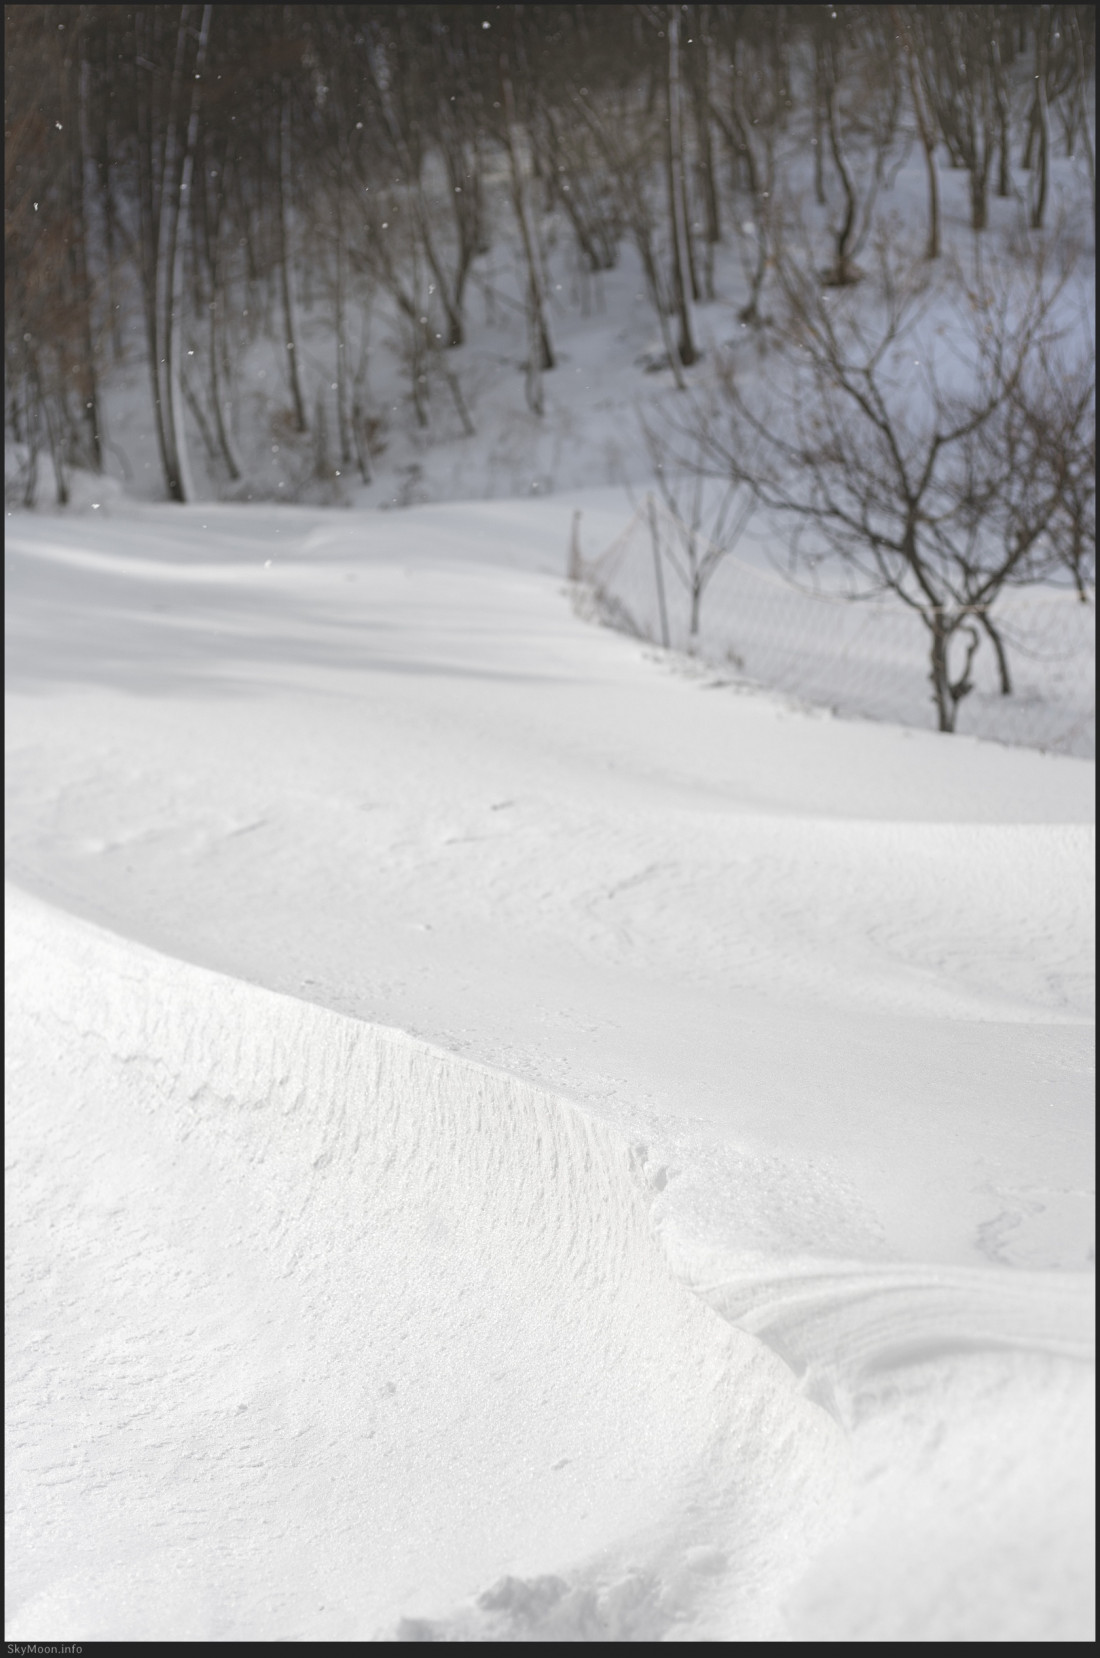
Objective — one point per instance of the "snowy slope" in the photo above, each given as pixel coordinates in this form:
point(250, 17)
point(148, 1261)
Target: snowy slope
point(497, 1113)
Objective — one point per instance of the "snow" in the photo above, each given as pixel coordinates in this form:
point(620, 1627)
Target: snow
point(513, 1136)
point(517, 1134)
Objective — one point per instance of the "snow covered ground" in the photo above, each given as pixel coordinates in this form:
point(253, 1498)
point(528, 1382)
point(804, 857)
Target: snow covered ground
point(514, 1137)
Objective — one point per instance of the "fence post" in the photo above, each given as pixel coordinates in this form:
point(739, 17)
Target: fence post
point(655, 537)
point(575, 547)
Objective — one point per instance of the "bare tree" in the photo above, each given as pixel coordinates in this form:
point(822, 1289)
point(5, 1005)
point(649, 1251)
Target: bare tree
point(540, 350)
point(51, 331)
point(924, 127)
point(262, 169)
point(749, 118)
point(700, 81)
point(958, 70)
point(166, 134)
point(209, 213)
point(283, 187)
point(682, 284)
point(77, 82)
point(940, 485)
point(584, 190)
point(402, 113)
point(627, 149)
point(1048, 434)
point(702, 524)
point(859, 93)
point(1082, 32)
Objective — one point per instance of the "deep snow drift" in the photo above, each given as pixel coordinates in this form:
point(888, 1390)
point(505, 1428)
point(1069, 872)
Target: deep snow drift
point(512, 1137)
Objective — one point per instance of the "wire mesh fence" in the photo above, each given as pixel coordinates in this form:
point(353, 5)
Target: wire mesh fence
point(862, 657)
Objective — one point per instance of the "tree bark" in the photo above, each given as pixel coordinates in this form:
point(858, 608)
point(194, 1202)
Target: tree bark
point(927, 137)
point(681, 256)
point(540, 354)
point(225, 443)
point(184, 488)
point(1000, 94)
point(165, 162)
point(706, 156)
point(78, 152)
point(1042, 116)
point(999, 651)
point(283, 191)
point(841, 274)
point(949, 693)
point(819, 152)
point(979, 193)
point(342, 424)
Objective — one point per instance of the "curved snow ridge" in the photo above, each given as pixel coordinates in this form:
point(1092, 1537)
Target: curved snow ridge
point(339, 1330)
point(839, 1324)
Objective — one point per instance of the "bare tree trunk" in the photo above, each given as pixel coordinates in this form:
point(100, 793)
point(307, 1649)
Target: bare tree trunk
point(979, 192)
point(706, 146)
point(450, 294)
point(210, 442)
point(359, 431)
point(1000, 94)
point(164, 177)
point(653, 283)
point(418, 373)
point(1004, 175)
point(209, 209)
point(689, 240)
point(948, 693)
point(184, 485)
point(1042, 115)
point(56, 438)
point(941, 692)
point(33, 434)
point(343, 429)
point(842, 273)
point(927, 137)
point(1028, 157)
point(1083, 96)
point(78, 136)
point(283, 189)
point(102, 154)
point(451, 302)
point(155, 163)
point(819, 149)
point(681, 254)
point(696, 600)
point(455, 389)
point(322, 466)
point(738, 133)
point(540, 355)
point(362, 451)
point(224, 441)
point(706, 156)
point(999, 651)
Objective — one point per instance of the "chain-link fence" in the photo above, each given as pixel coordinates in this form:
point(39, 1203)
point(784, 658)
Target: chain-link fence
point(858, 657)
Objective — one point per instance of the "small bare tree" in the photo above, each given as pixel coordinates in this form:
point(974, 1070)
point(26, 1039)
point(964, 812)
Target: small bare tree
point(942, 484)
point(701, 526)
